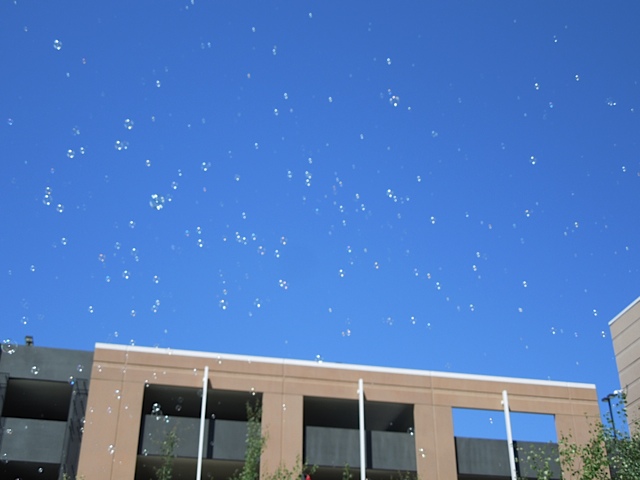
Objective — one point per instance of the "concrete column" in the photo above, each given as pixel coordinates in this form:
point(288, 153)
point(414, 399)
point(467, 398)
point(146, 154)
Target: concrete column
point(435, 443)
point(576, 427)
point(128, 429)
point(282, 426)
point(97, 452)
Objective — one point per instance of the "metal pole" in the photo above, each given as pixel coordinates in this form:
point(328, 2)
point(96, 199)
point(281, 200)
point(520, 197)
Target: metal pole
point(203, 412)
point(613, 422)
point(507, 420)
point(363, 448)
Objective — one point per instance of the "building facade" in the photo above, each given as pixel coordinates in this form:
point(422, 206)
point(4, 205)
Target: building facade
point(625, 333)
point(139, 396)
point(43, 397)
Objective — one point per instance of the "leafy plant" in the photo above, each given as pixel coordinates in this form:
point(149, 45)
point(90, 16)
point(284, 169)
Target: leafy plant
point(609, 453)
point(169, 444)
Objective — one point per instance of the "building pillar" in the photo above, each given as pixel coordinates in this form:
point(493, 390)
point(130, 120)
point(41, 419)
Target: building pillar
point(128, 429)
point(282, 427)
point(578, 429)
point(100, 431)
point(435, 443)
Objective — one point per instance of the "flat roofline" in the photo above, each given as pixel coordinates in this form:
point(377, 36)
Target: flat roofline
point(342, 366)
point(629, 307)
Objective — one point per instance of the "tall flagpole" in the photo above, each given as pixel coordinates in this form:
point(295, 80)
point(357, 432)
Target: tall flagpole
point(363, 449)
point(507, 421)
point(203, 412)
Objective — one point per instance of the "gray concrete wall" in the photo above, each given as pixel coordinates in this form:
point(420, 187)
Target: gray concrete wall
point(337, 447)
point(229, 440)
point(51, 363)
point(332, 447)
point(393, 451)
point(187, 429)
point(478, 456)
point(30, 440)
point(482, 457)
point(224, 439)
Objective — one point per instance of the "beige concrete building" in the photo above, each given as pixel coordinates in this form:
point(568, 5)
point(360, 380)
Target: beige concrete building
point(625, 333)
point(310, 413)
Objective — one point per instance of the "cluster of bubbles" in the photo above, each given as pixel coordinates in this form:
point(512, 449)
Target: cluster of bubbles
point(157, 202)
point(9, 346)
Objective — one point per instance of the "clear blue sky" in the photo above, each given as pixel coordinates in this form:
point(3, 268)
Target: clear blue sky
point(434, 185)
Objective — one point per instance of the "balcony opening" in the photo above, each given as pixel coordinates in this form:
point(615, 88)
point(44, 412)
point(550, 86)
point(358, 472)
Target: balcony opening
point(332, 442)
point(174, 412)
point(37, 399)
point(481, 443)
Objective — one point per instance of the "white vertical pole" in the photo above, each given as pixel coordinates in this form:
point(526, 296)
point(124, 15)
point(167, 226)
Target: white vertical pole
point(363, 447)
point(507, 421)
point(203, 412)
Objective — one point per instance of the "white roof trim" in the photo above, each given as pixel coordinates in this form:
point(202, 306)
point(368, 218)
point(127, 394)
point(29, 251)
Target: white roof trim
point(629, 307)
point(342, 366)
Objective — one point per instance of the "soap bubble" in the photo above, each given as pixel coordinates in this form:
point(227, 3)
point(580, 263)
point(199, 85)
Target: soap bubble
point(9, 346)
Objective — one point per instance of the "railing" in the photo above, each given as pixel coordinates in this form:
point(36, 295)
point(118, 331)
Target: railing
point(337, 447)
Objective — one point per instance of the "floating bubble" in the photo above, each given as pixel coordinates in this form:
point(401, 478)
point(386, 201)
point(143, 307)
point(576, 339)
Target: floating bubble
point(121, 145)
point(128, 124)
point(60, 208)
point(90, 309)
point(9, 121)
point(158, 84)
point(132, 224)
point(157, 201)
point(80, 368)
point(32, 268)
point(9, 346)
point(274, 50)
point(35, 370)
point(147, 162)
point(156, 279)
point(57, 44)
point(82, 150)
point(536, 86)
point(283, 284)
point(63, 241)
point(71, 153)
point(394, 100)
point(126, 274)
point(133, 313)
point(223, 304)
point(205, 166)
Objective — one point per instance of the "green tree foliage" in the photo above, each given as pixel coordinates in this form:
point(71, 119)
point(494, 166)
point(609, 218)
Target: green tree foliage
point(169, 444)
point(255, 444)
point(609, 453)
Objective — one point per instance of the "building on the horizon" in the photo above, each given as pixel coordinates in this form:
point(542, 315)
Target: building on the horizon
point(310, 414)
point(625, 334)
point(43, 397)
